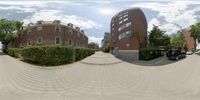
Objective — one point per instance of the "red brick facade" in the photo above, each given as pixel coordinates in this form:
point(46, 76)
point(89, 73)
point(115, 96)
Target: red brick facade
point(52, 33)
point(128, 30)
point(189, 40)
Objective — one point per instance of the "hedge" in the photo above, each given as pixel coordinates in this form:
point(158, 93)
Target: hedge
point(14, 52)
point(149, 53)
point(48, 55)
point(81, 53)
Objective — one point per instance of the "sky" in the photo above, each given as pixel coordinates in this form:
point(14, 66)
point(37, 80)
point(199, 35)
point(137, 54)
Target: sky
point(94, 16)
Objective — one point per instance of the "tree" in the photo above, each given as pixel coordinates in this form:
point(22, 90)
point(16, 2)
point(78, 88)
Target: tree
point(9, 31)
point(157, 37)
point(195, 32)
point(178, 41)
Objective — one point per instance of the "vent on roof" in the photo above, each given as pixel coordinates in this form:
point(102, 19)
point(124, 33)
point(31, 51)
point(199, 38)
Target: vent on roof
point(40, 22)
point(70, 24)
point(56, 21)
point(82, 31)
point(78, 28)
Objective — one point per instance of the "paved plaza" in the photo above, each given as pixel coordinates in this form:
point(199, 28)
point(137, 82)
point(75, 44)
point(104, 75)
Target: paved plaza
point(101, 77)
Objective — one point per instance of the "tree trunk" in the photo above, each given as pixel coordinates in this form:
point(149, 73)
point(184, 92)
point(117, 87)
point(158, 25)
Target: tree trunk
point(195, 44)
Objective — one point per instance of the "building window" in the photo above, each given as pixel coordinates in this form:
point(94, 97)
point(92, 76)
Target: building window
point(70, 42)
point(126, 15)
point(39, 40)
point(123, 35)
point(113, 28)
point(28, 42)
point(58, 29)
point(128, 34)
point(120, 22)
point(128, 24)
point(121, 27)
point(113, 24)
point(39, 28)
point(57, 40)
point(120, 18)
point(126, 19)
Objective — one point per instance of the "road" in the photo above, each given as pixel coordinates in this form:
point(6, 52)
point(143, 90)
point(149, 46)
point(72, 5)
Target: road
point(100, 77)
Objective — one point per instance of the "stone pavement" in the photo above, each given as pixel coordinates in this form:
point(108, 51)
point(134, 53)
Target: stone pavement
point(100, 77)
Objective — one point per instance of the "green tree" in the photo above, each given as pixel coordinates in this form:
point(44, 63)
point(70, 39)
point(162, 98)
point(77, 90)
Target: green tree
point(157, 37)
point(106, 46)
point(195, 32)
point(178, 41)
point(9, 31)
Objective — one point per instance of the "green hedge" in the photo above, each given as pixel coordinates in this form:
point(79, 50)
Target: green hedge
point(48, 55)
point(14, 52)
point(81, 53)
point(149, 53)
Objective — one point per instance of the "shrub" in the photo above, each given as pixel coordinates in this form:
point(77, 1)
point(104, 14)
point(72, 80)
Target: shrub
point(149, 53)
point(81, 53)
point(48, 55)
point(14, 52)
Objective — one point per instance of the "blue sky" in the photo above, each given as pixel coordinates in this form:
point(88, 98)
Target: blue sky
point(94, 15)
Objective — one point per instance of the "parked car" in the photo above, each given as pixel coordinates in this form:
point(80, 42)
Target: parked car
point(176, 54)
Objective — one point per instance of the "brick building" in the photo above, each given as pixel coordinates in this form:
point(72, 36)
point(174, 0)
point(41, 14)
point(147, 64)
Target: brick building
point(128, 32)
point(189, 40)
point(51, 33)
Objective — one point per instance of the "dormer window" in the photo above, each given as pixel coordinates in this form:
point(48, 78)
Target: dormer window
point(39, 28)
point(58, 29)
point(56, 21)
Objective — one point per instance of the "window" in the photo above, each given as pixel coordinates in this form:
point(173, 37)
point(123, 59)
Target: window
point(113, 24)
point(128, 24)
point(70, 42)
point(120, 22)
point(39, 40)
point(58, 29)
point(120, 18)
point(113, 28)
point(128, 34)
point(126, 15)
point(57, 40)
point(121, 27)
point(39, 28)
point(123, 35)
point(28, 42)
point(126, 19)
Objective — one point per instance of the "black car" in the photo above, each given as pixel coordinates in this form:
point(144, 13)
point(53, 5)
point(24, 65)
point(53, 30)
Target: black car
point(176, 54)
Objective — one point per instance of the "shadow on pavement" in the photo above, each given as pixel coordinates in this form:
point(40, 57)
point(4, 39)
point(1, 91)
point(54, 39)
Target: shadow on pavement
point(155, 62)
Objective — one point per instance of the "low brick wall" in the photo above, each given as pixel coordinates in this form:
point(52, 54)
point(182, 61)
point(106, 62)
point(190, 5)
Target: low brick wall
point(130, 55)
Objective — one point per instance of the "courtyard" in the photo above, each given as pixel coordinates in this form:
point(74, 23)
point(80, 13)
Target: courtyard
point(101, 77)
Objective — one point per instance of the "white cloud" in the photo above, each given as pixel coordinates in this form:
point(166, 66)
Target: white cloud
point(172, 12)
point(153, 21)
point(106, 11)
point(95, 39)
point(50, 15)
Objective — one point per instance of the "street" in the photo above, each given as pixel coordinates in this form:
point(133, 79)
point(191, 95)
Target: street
point(101, 77)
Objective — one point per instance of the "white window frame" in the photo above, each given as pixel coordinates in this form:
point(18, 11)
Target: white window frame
point(56, 40)
point(39, 28)
point(59, 29)
point(28, 42)
point(41, 40)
